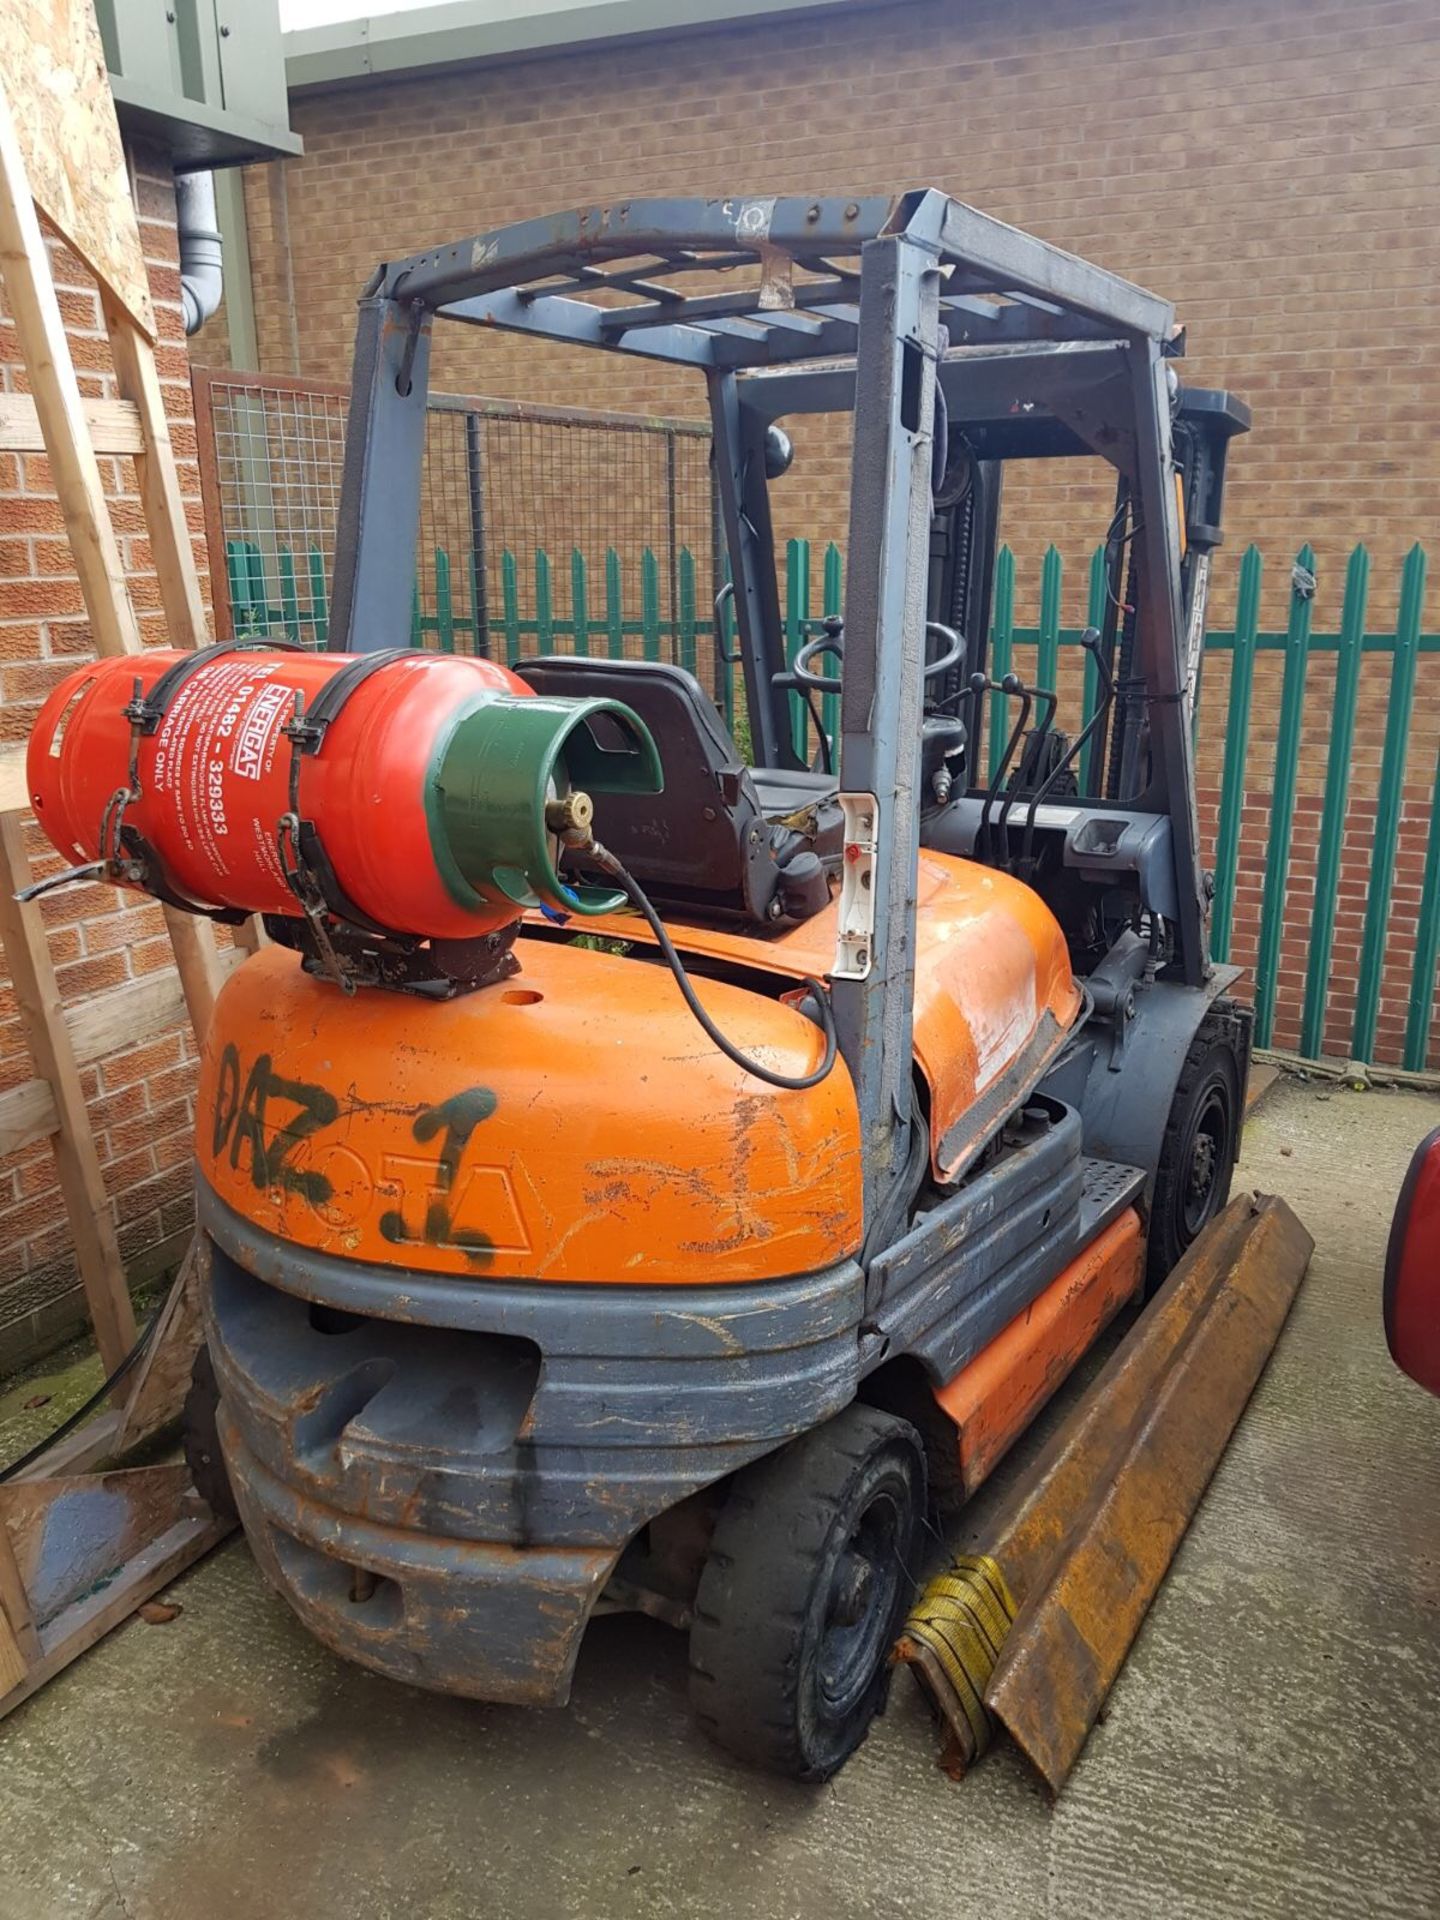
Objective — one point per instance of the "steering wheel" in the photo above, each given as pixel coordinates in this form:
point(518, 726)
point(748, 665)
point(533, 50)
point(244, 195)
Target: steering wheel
point(832, 641)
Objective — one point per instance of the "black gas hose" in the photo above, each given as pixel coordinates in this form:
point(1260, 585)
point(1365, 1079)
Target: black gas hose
point(107, 1386)
point(601, 857)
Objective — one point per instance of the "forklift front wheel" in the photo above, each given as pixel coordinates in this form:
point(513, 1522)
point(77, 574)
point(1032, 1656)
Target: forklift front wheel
point(808, 1578)
point(1197, 1152)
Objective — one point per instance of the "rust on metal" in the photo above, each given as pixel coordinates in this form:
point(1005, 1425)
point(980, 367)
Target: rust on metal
point(1086, 1537)
point(485, 1619)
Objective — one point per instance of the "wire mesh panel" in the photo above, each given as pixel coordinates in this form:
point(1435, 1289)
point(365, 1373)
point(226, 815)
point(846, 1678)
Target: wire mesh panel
point(271, 453)
point(544, 531)
point(540, 530)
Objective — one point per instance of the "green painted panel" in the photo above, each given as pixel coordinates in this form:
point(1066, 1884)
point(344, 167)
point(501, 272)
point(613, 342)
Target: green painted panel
point(1282, 807)
point(1237, 746)
point(1336, 796)
point(1427, 945)
point(1002, 633)
point(1388, 804)
point(614, 606)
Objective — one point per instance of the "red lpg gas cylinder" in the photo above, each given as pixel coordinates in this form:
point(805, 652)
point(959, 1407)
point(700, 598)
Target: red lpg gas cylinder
point(213, 770)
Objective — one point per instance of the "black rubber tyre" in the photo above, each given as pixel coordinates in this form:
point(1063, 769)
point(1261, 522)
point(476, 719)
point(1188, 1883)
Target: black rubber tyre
point(807, 1581)
point(1202, 1134)
point(201, 1440)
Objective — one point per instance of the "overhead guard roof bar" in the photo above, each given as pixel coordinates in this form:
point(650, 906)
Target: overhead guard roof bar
point(538, 276)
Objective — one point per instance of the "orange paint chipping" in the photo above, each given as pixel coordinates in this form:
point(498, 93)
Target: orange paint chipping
point(996, 1396)
point(575, 1125)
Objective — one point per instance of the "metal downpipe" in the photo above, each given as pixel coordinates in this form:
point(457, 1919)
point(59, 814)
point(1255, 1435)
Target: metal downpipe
point(201, 258)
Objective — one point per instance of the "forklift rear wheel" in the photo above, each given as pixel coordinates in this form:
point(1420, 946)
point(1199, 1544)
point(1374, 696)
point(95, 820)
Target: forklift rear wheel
point(200, 1437)
point(1197, 1152)
point(806, 1583)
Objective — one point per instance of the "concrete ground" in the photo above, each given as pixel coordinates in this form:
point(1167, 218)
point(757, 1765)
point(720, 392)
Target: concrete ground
point(1271, 1749)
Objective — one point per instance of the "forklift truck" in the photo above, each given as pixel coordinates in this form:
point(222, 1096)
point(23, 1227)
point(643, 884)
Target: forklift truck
point(679, 1269)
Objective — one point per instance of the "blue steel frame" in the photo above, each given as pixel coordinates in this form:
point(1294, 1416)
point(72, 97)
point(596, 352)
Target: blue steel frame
point(889, 287)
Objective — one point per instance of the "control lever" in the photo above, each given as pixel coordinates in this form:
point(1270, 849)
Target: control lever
point(725, 597)
point(1052, 701)
point(1013, 685)
point(1090, 640)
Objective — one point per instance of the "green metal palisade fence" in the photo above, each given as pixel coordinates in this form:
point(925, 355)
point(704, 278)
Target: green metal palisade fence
point(616, 611)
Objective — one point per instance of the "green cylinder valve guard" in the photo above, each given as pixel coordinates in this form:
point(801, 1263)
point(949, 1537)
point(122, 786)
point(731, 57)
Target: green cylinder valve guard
point(503, 761)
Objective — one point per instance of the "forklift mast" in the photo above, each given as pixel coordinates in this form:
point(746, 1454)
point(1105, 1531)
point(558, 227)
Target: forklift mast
point(965, 539)
point(957, 343)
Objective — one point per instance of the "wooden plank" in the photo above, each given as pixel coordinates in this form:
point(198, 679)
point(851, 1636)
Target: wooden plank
point(30, 296)
point(180, 596)
point(137, 1011)
point(198, 964)
point(27, 1113)
point(240, 380)
point(121, 1018)
point(85, 1447)
point(97, 1252)
point(126, 1015)
point(164, 1377)
point(159, 483)
point(13, 1663)
point(114, 425)
point(21, 1634)
point(70, 138)
point(77, 1629)
point(14, 789)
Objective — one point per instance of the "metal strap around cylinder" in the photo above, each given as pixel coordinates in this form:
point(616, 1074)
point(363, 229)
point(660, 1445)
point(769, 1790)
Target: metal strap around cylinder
point(325, 708)
point(157, 881)
point(306, 733)
point(148, 710)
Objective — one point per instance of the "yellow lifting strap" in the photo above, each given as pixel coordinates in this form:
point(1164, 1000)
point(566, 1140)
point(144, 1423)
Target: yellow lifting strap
point(953, 1636)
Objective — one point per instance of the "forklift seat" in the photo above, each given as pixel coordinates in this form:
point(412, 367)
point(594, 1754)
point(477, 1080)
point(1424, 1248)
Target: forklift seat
point(758, 841)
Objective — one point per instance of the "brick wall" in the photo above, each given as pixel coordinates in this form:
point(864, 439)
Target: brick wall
point(140, 1099)
point(1271, 165)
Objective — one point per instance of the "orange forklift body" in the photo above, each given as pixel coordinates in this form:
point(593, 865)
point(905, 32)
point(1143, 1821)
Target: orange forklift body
point(475, 1141)
point(994, 994)
point(317, 1117)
